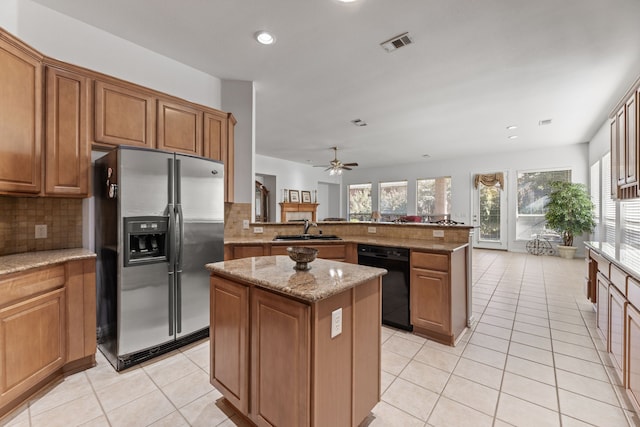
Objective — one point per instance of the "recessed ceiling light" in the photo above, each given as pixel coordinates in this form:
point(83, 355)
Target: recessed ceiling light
point(264, 37)
point(512, 127)
point(346, 1)
point(512, 136)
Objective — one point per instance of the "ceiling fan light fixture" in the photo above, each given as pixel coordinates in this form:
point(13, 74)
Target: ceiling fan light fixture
point(264, 37)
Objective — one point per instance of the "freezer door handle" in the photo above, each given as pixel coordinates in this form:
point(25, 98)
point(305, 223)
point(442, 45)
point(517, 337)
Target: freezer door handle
point(179, 236)
point(171, 303)
point(179, 302)
point(171, 237)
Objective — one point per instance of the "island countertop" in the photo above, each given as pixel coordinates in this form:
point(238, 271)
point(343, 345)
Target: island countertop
point(325, 278)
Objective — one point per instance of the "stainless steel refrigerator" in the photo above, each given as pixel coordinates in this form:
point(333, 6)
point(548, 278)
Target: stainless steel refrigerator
point(159, 218)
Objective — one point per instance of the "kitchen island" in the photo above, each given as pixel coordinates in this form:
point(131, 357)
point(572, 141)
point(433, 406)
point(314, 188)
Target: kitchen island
point(296, 348)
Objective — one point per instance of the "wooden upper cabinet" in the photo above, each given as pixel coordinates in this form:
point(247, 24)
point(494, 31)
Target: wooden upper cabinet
point(215, 135)
point(621, 154)
point(124, 116)
point(631, 141)
point(21, 117)
point(179, 128)
point(67, 149)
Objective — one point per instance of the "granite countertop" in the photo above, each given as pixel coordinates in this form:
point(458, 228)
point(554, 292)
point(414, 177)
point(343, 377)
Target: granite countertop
point(626, 257)
point(27, 260)
point(417, 244)
point(325, 278)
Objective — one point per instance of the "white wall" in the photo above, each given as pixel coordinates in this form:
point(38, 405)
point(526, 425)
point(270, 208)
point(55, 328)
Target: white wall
point(462, 169)
point(67, 39)
point(600, 143)
point(291, 175)
point(238, 96)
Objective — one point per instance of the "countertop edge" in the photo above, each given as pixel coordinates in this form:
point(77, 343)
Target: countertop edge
point(307, 297)
point(633, 271)
point(16, 263)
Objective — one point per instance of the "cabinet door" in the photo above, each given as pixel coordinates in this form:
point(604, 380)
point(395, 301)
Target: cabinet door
point(633, 354)
point(602, 306)
point(67, 150)
point(215, 136)
point(20, 118)
point(430, 300)
point(81, 309)
point(632, 141)
point(32, 343)
point(229, 344)
point(621, 155)
point(124, 116)
point(617, 306)
point(247, 251)
point(280, 360)
point(229, 170)
point(179, 128)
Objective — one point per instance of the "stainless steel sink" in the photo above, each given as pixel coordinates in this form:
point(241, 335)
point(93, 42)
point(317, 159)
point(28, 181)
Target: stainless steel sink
point(306, 237)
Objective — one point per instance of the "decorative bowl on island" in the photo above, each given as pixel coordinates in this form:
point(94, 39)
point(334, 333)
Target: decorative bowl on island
point(302, 256)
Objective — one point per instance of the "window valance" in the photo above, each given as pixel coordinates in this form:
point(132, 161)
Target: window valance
point(490, 180)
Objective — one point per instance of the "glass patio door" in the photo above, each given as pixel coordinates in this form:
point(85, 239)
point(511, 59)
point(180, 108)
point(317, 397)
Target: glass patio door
point(490, 217)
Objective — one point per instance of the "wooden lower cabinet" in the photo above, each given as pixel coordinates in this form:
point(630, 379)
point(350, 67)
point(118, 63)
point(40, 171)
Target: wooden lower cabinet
point(279, 352)
point(617, 309)
point(230, 325)
point(633, 355)
point(244, 251)
point(280, 362)
point(47, 327)
point(438, 294)
point(32, 343)
point(602, 308)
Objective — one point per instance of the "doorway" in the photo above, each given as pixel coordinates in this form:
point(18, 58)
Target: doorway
point(490, 213)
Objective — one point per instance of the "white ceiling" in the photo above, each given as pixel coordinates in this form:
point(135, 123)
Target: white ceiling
point(474, 68)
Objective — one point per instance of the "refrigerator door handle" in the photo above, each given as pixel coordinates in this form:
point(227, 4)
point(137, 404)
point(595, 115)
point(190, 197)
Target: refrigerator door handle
point(171, 303)
point(179, 302)
point(179, 237)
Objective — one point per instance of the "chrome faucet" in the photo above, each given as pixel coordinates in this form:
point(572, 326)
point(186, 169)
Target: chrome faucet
point(308, 224)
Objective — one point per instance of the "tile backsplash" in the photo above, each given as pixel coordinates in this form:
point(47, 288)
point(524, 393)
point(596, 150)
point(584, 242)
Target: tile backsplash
point(20, 215)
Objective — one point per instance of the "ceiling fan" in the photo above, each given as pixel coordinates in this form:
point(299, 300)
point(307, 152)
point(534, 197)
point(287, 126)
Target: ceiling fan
point(336, 167)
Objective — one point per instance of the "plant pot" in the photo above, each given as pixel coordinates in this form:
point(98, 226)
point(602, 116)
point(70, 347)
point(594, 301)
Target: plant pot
point(568, 252)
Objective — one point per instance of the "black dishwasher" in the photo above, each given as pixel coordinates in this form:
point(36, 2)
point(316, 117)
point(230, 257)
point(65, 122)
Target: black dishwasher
point(395, 284)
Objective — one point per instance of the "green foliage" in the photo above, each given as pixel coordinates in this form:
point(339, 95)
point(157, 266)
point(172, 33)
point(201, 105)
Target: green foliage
point(569, 210)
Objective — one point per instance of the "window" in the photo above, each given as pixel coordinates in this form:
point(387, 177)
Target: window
point(359, 202)
point(393, 200)
point(630, 223)
point(433, 197)
point(595, 197)
point(533, 189)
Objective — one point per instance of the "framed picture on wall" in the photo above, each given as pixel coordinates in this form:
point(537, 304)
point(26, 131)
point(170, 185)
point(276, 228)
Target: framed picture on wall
point(306, 196)
point(294, 196)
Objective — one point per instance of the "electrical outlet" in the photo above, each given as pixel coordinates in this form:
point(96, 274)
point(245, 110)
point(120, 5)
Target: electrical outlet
point(438, 233)
point(336, 322)
point(371, 229)
point(41, 231)
point(245, 224)
point(257, 230)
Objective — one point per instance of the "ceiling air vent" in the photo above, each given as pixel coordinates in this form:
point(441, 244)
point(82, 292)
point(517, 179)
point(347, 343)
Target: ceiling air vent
point(397, 42)
point(545, 122)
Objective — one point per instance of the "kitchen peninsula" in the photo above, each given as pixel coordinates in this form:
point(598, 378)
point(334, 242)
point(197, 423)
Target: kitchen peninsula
point(296, 348)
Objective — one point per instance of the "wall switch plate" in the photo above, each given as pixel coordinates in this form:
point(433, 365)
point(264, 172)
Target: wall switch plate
point(41, 231)
point(438, 233)
point(245, 224)
point(371, 230)
point(258, 230)
point(336, 322)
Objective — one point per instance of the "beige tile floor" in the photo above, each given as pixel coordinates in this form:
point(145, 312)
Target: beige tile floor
point(532, 358)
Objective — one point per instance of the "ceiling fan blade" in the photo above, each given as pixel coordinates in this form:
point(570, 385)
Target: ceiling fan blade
point(350, 164)
point(321, 166)
point(346, 168)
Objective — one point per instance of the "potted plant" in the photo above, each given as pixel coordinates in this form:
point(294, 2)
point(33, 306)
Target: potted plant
point(570, 213)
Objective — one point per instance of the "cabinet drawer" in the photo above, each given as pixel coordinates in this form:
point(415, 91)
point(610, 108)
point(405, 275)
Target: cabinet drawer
point(603, 264)
point(335, 252)
point(21, 285)
point(430, 261)
point(619, 279)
